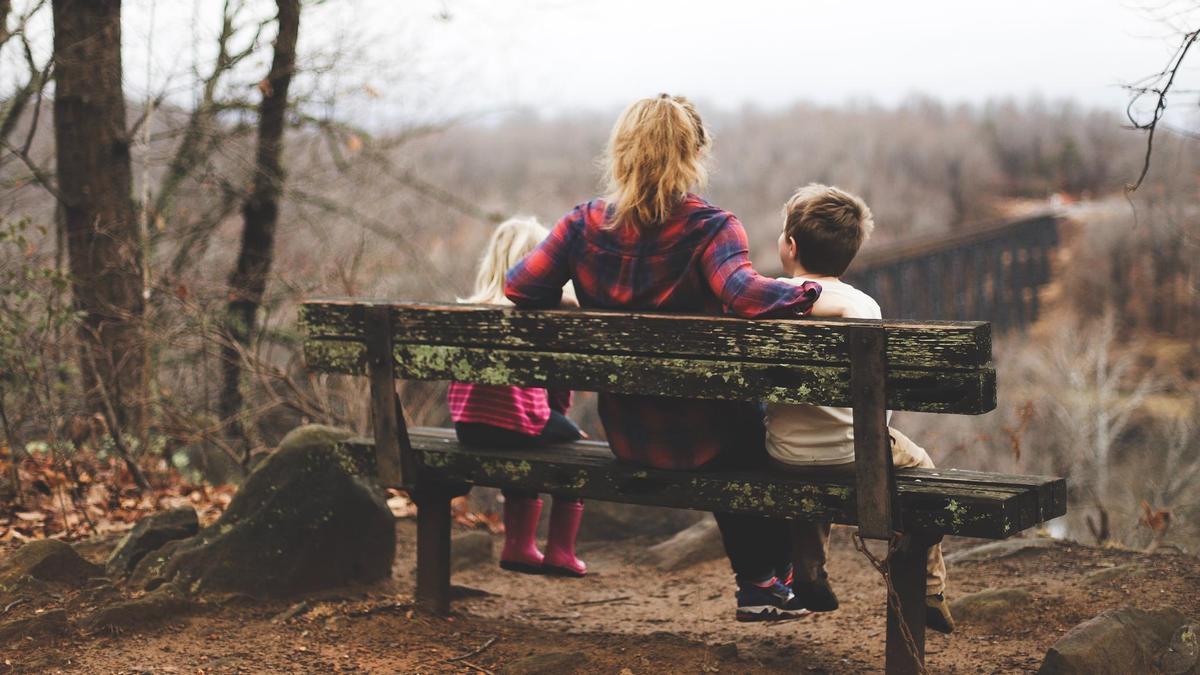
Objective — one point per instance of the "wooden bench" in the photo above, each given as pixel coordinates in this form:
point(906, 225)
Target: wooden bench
point(872, 366)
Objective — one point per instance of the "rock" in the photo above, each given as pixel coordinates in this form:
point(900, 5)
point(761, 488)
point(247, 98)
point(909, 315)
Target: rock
point(51, 622)
point(1117, 642)
point(163, 602)
point(990, 604)
point(1183, 653)
point(550, 663)
point(1111, 574)
point(150, 534)
point(699, 543)
point(308, 519)
point(1001, 549)
point(470, 549)
point(48, 560)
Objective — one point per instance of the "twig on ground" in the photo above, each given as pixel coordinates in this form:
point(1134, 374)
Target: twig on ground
point(481, 669)
point(14, 603)
point(598, 602)
point(491, 641)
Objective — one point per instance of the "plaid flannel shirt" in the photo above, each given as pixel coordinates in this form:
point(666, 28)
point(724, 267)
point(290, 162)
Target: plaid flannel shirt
point(697, 262)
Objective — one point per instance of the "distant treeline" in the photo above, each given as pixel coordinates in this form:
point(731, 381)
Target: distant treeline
point(923, 166)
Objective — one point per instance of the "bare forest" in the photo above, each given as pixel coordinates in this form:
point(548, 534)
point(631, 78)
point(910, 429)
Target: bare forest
point(163, 351)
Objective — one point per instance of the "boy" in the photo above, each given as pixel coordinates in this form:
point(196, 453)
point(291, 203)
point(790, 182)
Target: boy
point(823, 230)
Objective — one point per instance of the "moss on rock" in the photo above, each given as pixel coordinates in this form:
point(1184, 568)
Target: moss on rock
point(308, 518)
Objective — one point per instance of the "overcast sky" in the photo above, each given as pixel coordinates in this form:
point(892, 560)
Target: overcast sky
point(563, 55)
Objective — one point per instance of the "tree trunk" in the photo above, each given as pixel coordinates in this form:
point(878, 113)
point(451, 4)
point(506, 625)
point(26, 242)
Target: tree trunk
point(259, 215)
point(95, 183)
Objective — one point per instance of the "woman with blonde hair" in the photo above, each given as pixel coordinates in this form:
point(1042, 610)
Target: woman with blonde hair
point(653, 244)
point(519, 417)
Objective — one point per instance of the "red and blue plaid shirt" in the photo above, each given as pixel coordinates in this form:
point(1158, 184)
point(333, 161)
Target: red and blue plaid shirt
point(697, 262)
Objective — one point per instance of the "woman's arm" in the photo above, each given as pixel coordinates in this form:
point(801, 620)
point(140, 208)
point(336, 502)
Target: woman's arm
point(743, 291)
point(537, 281)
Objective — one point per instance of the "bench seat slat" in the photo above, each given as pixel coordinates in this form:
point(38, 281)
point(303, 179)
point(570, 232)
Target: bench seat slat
point(587, 469)
point(965, 392)
point(1052, 490)
point(913, 344)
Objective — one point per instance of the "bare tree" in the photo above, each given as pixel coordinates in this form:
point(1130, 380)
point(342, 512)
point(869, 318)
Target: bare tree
point(95, 185)
point(260, 213)
point(1094, 407)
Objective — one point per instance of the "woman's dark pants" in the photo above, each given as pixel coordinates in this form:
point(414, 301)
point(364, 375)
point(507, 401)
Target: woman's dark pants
point(757, 547)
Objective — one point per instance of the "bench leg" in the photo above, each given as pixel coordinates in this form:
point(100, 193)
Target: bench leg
point(433, 550)
point(907, 570)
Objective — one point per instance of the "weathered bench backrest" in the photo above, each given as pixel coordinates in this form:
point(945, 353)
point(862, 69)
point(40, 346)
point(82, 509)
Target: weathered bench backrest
point(870, 365)
point(942, 367)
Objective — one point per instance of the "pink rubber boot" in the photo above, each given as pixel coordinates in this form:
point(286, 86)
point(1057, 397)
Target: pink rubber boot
point(560, 560)
point(520, 552)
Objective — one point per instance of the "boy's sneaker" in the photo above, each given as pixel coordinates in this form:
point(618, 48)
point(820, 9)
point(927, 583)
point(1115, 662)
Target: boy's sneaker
point(767, 603)
point(817, 596)
point(937, 614)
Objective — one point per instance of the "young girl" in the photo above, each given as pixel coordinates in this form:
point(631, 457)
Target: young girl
point(519, 417)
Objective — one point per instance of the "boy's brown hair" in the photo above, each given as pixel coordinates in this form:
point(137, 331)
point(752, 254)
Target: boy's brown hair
point(828, 225)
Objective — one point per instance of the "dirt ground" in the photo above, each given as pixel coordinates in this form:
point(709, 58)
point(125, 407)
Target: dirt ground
point(622, 619)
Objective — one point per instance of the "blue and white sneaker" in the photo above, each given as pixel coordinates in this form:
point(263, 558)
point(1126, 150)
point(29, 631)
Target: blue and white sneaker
point(767, 603)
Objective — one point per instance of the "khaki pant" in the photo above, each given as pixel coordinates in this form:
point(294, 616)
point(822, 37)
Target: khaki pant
point(811, 540)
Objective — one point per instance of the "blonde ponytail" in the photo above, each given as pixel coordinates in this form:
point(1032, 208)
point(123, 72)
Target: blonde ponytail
point(656, 154)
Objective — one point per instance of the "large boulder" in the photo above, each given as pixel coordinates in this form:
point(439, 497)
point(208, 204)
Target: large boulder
point(308, 518)
point(699, 543)
point(150, 534)
point(1117, 642)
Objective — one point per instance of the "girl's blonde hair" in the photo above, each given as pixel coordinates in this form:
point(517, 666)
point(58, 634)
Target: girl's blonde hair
point(656, 154)
point(512, 240)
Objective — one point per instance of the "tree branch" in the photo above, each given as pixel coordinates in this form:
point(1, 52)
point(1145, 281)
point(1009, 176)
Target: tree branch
point(1160, 105)
point(38, 174)
point(195, 145)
